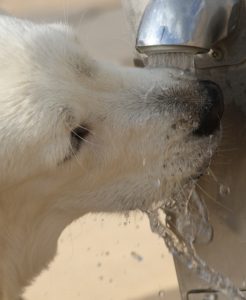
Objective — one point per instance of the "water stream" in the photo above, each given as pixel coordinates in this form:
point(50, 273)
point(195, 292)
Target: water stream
point(181, 61)
point(186, 253)
point(184, 220)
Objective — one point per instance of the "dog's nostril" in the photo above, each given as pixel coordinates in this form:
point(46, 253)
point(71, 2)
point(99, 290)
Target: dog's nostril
point(212, 111)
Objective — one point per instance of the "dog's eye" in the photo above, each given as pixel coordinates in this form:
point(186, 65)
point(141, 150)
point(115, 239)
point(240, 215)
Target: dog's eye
point(78, 136)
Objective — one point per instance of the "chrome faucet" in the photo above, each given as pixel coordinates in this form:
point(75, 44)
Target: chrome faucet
point(186, 25)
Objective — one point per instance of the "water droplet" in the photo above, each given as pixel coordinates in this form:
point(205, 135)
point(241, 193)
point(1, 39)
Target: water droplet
point(190, 264)
point(144, 162)
point(158, 182)
point(210, 152)
point(224, 190)
point(162, 294)
point(169, 218)
point(61, 109)
point(136, 256)
point(210, 296)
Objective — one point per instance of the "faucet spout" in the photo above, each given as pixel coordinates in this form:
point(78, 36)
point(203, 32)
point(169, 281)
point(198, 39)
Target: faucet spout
point(186, 26)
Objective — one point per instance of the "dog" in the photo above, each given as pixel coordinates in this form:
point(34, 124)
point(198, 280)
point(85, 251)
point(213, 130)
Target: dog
point(80, 135)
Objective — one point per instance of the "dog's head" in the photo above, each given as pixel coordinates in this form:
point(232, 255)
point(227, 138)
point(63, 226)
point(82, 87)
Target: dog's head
point(95, 136)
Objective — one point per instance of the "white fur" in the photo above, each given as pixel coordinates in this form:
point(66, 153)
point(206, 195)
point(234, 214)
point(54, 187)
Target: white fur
point(139, 148)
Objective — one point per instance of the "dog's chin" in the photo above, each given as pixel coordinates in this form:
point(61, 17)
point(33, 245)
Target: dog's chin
point(202, 171)
point(209, 147)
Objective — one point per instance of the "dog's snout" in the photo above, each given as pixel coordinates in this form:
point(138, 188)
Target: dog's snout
point(212, 110)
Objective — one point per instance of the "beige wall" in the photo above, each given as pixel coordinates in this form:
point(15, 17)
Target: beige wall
point(25, 7)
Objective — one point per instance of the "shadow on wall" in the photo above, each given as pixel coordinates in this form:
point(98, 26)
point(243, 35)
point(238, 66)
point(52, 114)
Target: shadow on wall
point(164, 294)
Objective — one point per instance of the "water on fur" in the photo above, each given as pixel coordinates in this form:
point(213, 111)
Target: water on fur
point(184, 219)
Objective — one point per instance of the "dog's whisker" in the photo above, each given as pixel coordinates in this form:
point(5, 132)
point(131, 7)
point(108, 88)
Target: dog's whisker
point(211, 173)
point(75, 155)
point(214, 199)
point(81, 138)
point(87, 129)
point(65, 12)
point(227, 150)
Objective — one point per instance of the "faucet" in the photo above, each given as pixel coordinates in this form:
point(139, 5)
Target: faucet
point(186, 25)
point(214, 32)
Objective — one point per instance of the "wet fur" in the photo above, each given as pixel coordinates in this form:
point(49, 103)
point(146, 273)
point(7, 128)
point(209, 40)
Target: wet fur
point(139, 146)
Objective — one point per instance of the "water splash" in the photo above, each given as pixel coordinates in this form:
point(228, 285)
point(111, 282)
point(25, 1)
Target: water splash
point(193, 224)
point(224, 190)
point(186, 253)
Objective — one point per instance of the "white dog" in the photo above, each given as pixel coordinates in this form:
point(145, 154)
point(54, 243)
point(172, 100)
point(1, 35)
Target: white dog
point(81, 136)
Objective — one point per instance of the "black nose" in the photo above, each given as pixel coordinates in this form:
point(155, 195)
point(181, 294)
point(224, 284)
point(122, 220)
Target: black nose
point(212, 110)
